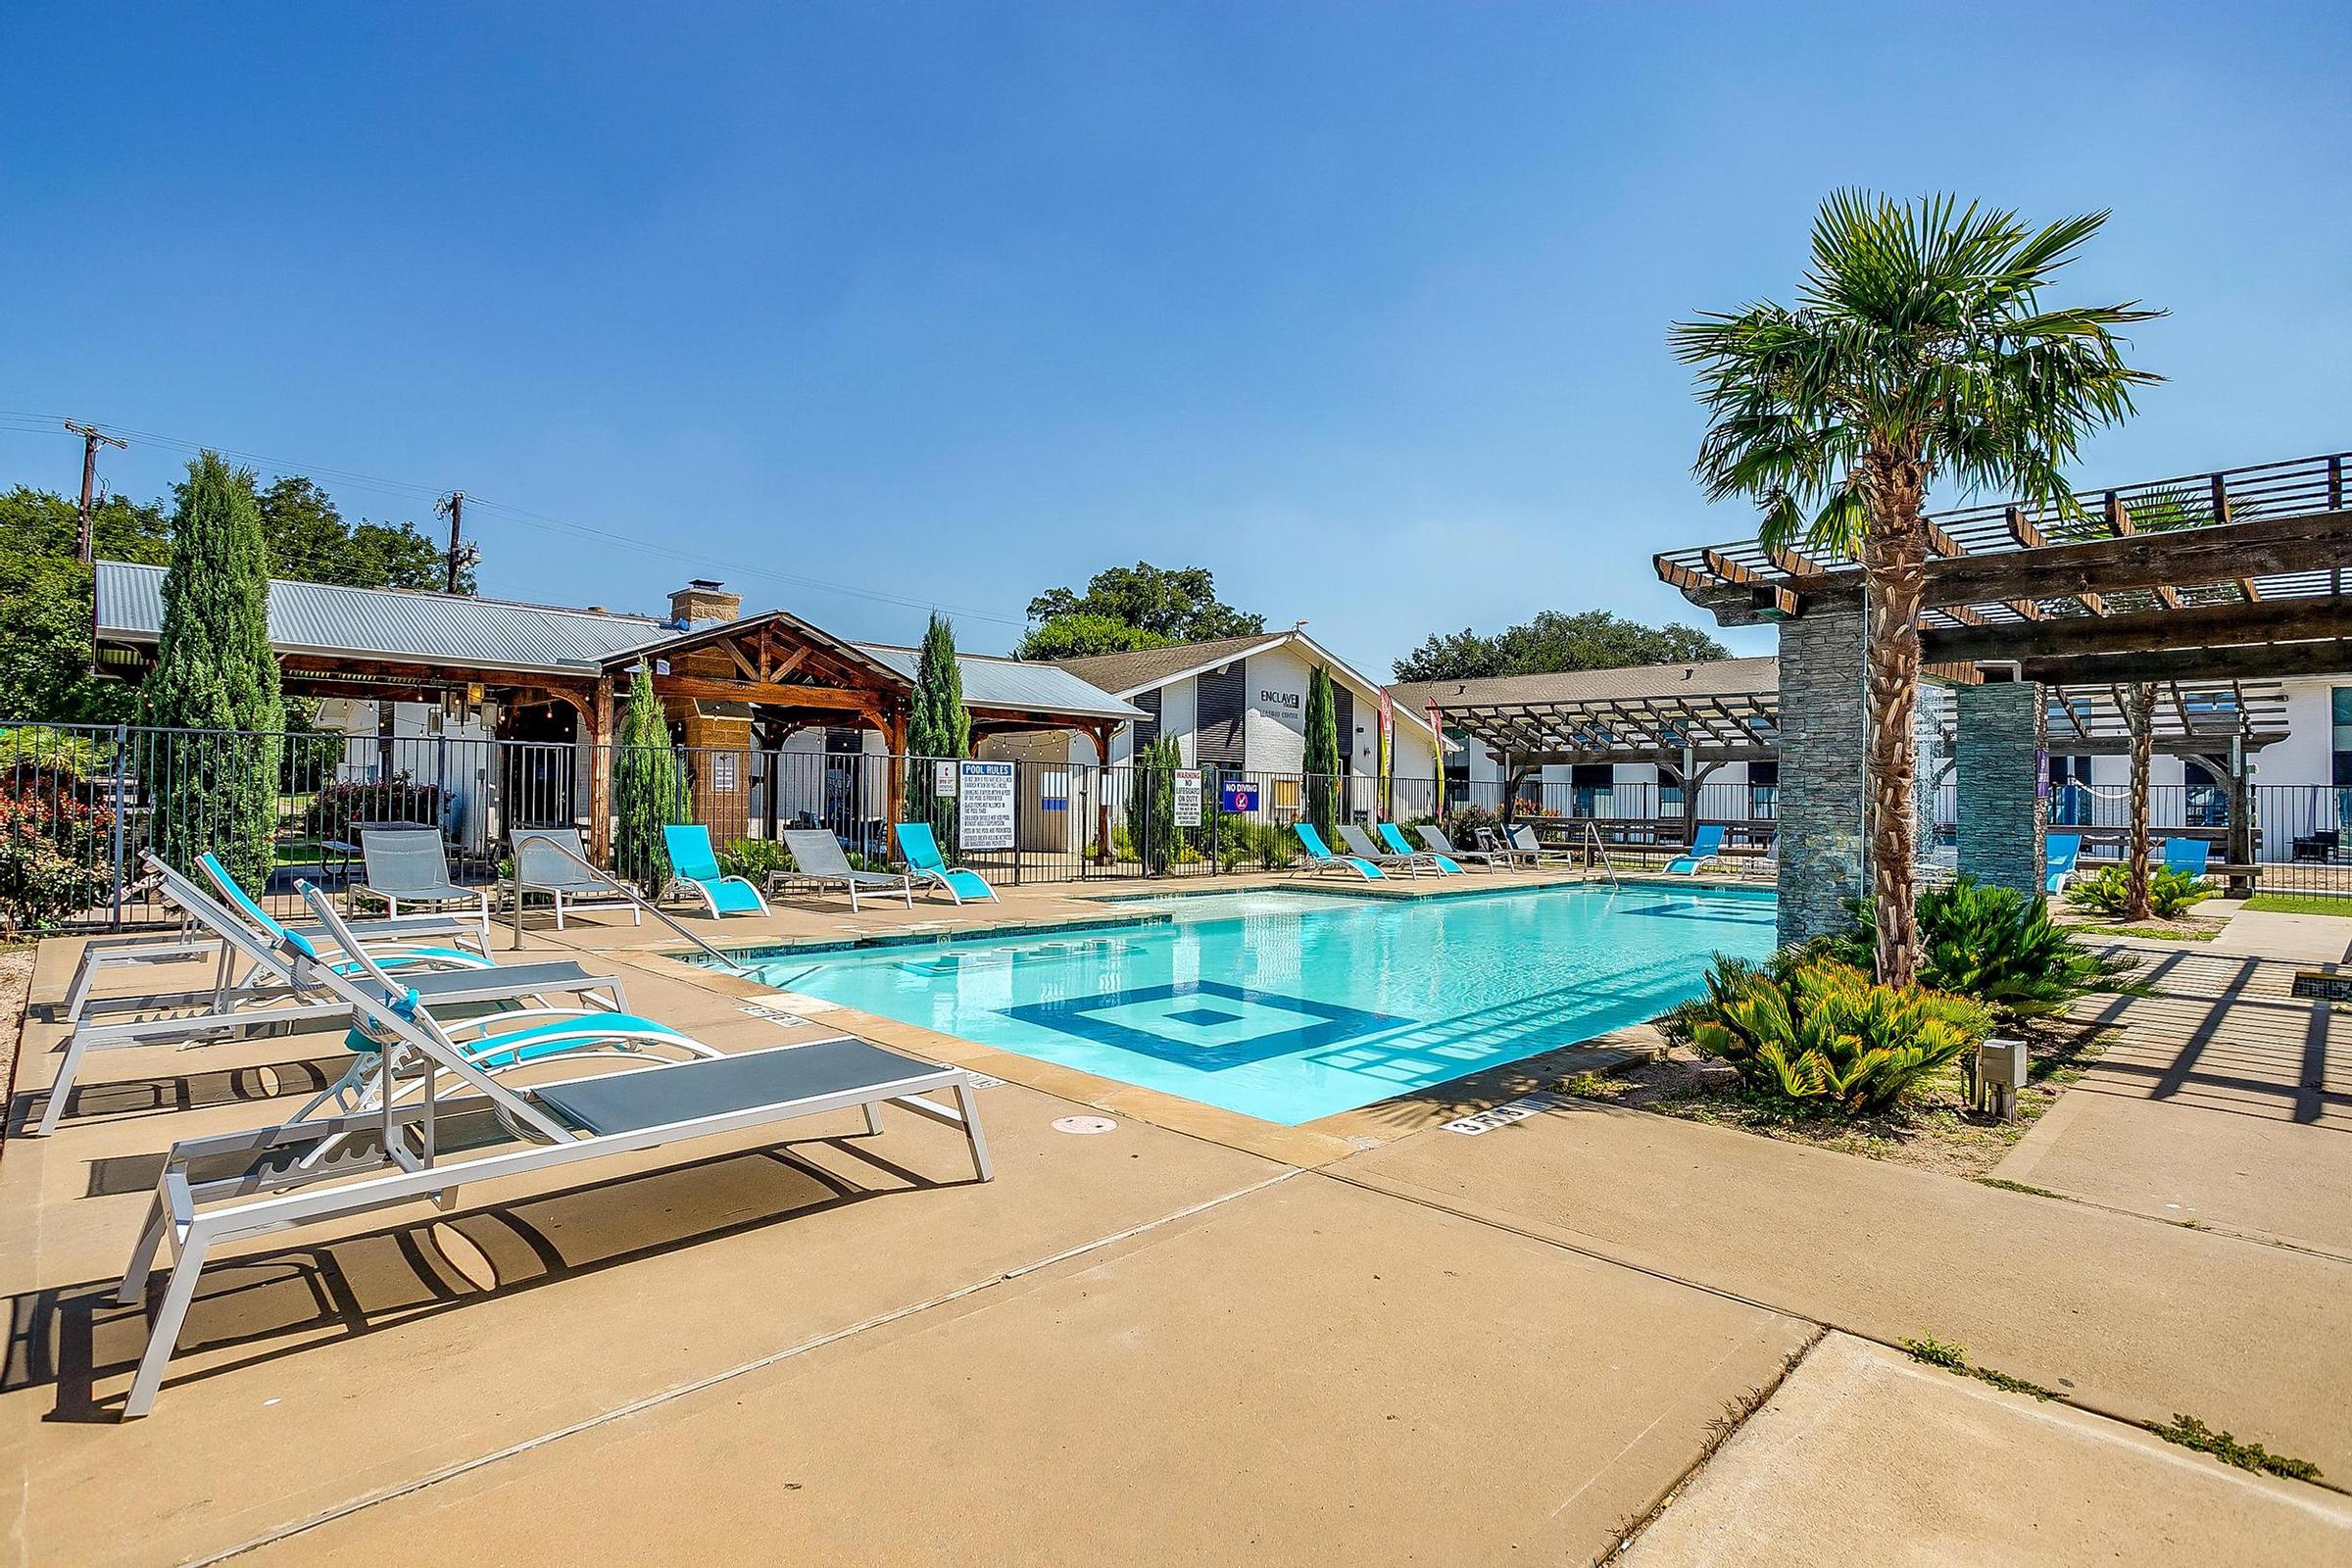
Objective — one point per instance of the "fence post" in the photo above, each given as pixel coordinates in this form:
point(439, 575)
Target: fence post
point(121, 748)
point(1212, 807)
point(1020, 788)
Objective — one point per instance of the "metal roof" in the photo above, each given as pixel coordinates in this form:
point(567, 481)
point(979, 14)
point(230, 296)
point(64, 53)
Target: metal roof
point(1021, 685)
point(393, 623)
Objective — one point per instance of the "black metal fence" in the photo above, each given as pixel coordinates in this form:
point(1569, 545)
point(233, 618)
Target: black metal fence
point(79, 804)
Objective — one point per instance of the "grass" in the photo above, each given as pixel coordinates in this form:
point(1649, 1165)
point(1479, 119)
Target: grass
point(2008, 1186)
point(2161, 933)
point(2191, 1432)
point(1953, 1359)
point(2335, 903)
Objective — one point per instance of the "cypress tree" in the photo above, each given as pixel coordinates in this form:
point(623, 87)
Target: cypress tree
point(939, 728)
point(1322, 755)
point(648, 792)
point(214, 672)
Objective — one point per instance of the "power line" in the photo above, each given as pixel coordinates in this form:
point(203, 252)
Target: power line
point(23, 422)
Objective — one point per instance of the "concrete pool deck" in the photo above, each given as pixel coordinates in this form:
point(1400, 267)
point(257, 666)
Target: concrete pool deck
point(1172, 1342)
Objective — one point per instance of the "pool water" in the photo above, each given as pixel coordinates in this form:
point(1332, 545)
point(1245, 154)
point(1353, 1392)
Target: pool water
point(1293, 1005)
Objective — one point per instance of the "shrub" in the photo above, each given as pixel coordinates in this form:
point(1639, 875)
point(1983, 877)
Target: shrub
point(1152, 805)
point(2108, 891)
point(753, 860)
point(1819, 1038)
point(1464, 821)
point(337, 809)
point(1992, 944)
point(54, 858)
point(37, 749)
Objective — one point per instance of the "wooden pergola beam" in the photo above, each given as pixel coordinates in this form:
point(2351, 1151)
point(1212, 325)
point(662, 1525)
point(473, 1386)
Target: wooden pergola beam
point(2326, 657)
point(2192, 626)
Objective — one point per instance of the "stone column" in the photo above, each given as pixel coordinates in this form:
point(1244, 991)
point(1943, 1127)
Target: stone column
point(1821, 795)
point(2002, 733)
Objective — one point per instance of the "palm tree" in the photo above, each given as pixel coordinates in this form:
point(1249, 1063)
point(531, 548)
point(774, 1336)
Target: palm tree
point(1918, 352)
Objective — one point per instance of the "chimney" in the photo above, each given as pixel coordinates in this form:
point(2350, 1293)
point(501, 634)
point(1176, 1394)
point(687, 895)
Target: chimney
point(704, 603)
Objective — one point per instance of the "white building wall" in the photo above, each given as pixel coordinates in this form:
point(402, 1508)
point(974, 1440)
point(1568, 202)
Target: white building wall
point(1179, 711)
point(1274, 727)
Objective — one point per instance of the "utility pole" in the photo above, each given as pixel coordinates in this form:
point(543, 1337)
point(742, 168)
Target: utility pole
point(91, 438)
point(453, 506)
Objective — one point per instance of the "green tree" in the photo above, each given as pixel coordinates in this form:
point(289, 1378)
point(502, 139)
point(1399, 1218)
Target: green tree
point(46, 604)
point(310, 542)
point(1174, 607)
point(1322, 755)
point(1082, 634)
point(1918, 349)
point(1553, 641)
point(214, 672)
point(939, 728)
point(648, 791)
point(1152, 804)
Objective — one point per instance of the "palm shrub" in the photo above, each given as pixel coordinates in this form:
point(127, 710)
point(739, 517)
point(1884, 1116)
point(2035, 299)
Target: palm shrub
point(1817, 1037)
point(1992, 944)
point(2108, 891)
point(648, 792)
point(1152, 805)
point(1920, 351)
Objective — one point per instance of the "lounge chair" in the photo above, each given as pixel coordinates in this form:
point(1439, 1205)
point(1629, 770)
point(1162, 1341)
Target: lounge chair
point(919, 849)
point(694, 864)
point(1393, 837)
point(222, 1188)
point(2060, 853)
point(410, 866)
point(1360, 844)
point(552, 860)
point(1506, 853)
point(1705, 845)
point(2189, 856)
point(1320, 861)
point(266, 989)
point(1434, 839)
point(1522, 837)
point(818, 858)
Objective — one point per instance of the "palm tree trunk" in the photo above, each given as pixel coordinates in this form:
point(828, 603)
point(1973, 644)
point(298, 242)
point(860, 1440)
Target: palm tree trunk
point(1894, 560)
point(2140, 712)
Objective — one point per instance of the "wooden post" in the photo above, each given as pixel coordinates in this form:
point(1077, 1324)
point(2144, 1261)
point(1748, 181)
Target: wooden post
point(892, 724)
point(601, 736)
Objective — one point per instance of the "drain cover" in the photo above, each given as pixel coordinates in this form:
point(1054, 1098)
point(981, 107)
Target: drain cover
point(1085, 1124)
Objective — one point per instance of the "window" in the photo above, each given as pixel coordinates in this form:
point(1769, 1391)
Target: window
point(1457, 766)
point(1285, 795)
point(1764, 789)
point(2339, 702)
point(2207, 801)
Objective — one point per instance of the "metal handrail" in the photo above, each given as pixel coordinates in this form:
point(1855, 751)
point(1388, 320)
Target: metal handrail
point(616, 885)
point(1593, 842)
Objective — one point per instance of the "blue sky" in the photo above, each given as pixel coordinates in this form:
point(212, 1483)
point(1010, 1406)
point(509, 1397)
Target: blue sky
point(1362, 307)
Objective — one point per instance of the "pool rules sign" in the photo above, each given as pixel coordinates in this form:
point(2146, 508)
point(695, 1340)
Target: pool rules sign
point(984, 805)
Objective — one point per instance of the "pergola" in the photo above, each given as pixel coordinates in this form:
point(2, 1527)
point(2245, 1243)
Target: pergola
point(2174, 584)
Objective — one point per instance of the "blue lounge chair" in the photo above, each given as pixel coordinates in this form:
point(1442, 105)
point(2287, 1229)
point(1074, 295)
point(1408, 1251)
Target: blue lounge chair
point(1320, 861)
point(919, 849)
point(1393, 837)
point(2188, 856)
point(693, 864)
point(1705, 845)
point(2060, 852)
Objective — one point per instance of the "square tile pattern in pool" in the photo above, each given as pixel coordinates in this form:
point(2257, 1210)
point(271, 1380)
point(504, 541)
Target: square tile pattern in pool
point(1293, 1005)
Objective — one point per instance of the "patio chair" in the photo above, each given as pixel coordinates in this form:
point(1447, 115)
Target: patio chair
point(1320, 861)
point(218, 1190)
point(2189, 856)
point(1435, 840)
point(1393, 837)
point(554, 862)
point(1706, 845)
point(1522, 837)
point(1360, 844)
point(266, 989)
point(2061, 852)
point(1505, 851)
point(694, 864)
point(919, 849)
point(818, 858)
point(409, 865)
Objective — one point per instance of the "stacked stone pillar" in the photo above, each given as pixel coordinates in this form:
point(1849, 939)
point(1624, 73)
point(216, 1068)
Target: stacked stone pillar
point(2003, 736)
point(1823, 733)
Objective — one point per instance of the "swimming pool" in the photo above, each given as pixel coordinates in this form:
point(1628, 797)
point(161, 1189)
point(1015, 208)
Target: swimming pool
point(1291, 1005)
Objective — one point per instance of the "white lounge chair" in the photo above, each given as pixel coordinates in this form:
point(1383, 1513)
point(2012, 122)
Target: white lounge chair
point(1360, 844)
point(259, 986)
point(552, 860)
point(410, 866)
point(818, 858)
point(390, 1154)
point(1440, 843)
